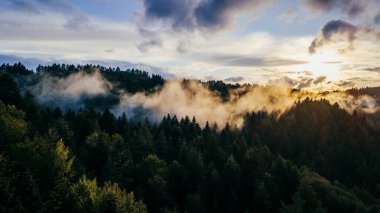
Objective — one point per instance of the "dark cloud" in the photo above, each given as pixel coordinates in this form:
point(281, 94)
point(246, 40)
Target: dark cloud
point(248, 61)
point(178, 12)
point(355, 9)
point(218, 13)
point(23, 6)
point(303, 82)
point(335, 27)
point(373, 69)
point(37, 6)
point(151, 40)
point(206, 14)
point(146, 45)
point(345, 83)
point(343, 29)
point(234, 79)
point(320, 79)
point(300, 82)
point(377, 19)
point(352, 8)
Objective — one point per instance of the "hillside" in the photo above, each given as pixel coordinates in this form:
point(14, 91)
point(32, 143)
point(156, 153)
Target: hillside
point(60, 151)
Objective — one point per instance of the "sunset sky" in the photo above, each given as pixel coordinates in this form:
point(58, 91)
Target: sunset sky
point(315, 44)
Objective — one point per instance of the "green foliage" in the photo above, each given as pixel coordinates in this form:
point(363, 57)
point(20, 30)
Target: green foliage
point(59, 198)
point(9, 91)
point(62, 161)
point(313, 158)
point(9, 201)
point(13, 127)
point(108, 198)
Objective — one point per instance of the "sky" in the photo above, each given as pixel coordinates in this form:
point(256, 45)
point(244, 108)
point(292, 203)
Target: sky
point(313, 44)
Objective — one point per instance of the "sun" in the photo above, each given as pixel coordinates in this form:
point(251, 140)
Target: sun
point(325, 63)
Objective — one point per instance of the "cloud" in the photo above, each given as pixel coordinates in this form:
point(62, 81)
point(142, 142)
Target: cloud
point(37, 6)
point(23, 6)
point(80, 22)
point(377, 19)
point(320, 79)
point(218, 13)
point(234, 79)
point(303, 82)
point(196, 14)
point(248, 61)
point(288, 16)
point(151, 40)
point(373, 69)
point(177, 12)
point(307, 73)
point(352, 8)
point(110, 50)
point(345, 83)
point(146, 45)
point(342, 30)
point(183, 46)
point(335, 27)
point(76, 20)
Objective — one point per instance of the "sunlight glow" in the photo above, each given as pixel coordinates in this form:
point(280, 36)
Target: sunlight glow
point(325, 63)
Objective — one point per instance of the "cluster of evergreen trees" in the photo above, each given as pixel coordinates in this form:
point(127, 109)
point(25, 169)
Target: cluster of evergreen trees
point(314, 158)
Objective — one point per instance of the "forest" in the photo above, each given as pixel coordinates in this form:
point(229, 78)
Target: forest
point(313, 157)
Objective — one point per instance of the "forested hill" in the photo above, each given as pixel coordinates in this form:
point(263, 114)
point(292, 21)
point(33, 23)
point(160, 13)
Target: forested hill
point(314, 157)
point(130, 81)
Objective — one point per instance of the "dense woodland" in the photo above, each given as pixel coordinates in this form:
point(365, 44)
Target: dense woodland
point(315, 157)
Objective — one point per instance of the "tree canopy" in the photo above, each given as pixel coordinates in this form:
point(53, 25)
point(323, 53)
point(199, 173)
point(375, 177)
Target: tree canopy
point(315, 157)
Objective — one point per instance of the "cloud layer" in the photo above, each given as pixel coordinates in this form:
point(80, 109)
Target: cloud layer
point(196, 14)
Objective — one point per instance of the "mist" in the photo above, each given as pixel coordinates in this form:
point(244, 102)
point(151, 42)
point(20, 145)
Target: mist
point(197, 100)
point(70, 91)
point(192, 98)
